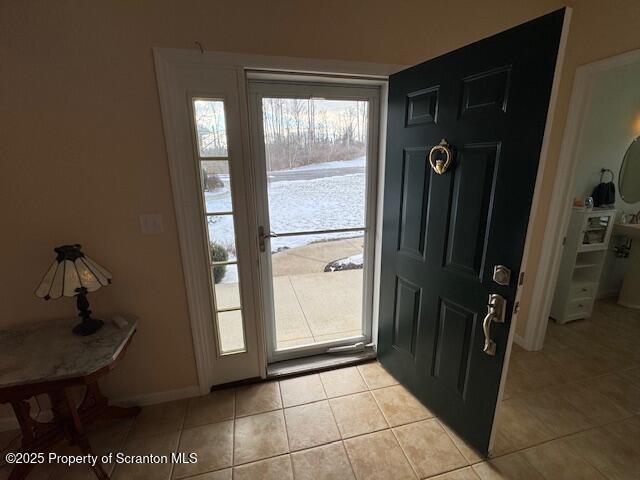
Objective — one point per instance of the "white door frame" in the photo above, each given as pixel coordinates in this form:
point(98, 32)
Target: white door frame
point(171, 65)
point(562, 196)
point(260, 85)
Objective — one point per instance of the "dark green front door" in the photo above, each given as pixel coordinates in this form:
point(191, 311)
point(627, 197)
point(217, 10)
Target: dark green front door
point(443, 234)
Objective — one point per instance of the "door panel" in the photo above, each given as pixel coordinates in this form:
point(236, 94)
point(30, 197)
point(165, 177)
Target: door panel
point(416, 180)
point(407, 313)
point(473, 187)
point(486, 92)
point(443, 233)
point(453, 338)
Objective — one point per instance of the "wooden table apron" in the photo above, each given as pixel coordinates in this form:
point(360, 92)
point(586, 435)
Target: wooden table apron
point(68, 421)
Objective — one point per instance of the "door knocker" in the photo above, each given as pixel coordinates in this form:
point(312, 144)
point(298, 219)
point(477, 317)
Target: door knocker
point(441, 165)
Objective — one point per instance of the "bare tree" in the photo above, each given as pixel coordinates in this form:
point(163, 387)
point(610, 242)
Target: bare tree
point(305, 131)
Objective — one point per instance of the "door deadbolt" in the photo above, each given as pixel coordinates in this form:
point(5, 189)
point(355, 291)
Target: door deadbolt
point(496, 309)
point(501, 275)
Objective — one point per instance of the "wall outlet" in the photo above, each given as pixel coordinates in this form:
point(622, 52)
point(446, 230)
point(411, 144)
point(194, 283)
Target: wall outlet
point(151, 223)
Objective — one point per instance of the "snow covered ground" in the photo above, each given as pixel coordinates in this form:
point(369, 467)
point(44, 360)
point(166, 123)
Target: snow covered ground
point(339, 164)
point(321, 196)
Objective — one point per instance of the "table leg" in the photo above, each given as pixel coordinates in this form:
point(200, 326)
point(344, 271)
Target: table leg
point(69, 417)
point(36, 436)
point(68, 423)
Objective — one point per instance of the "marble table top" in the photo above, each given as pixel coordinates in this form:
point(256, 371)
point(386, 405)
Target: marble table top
point(48, 351)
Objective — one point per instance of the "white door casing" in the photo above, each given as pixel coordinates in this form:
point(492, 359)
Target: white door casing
point(178, 85)
point(182, 75)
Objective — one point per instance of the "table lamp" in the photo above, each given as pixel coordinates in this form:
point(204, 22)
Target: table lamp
point(72, 274)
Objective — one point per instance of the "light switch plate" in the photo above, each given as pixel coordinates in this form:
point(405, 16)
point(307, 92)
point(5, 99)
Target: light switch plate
point(151, 223)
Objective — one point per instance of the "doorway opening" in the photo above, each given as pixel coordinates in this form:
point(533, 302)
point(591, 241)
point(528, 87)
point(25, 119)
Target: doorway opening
point(583, 382)
point(315, 169)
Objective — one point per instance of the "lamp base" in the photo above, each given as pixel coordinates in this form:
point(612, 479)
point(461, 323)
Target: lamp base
point(88, 326)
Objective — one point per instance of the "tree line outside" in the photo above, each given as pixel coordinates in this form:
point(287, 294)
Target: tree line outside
point(297, 132)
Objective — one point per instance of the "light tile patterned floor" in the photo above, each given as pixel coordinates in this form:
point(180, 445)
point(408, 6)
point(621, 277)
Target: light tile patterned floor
point(571, 412)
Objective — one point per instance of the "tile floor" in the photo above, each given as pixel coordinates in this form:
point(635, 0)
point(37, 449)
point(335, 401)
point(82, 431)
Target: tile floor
point(571, 411)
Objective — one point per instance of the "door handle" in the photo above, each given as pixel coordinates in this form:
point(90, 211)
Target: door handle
point(262, 236)
point(495, 313)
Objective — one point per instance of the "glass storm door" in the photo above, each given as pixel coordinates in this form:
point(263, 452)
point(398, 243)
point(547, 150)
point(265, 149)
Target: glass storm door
point(315, 168)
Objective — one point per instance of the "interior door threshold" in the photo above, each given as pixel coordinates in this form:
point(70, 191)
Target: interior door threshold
point(317, 363)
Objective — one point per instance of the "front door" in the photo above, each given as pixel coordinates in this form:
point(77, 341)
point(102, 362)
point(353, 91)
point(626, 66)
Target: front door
point(445, 231)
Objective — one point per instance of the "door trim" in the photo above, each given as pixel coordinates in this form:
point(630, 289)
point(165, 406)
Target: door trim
point(259, 85)
point(168, 62)
point(559, 212)
point(177, 85)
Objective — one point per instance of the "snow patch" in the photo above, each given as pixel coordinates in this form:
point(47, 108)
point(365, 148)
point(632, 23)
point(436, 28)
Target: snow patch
point(354, 262)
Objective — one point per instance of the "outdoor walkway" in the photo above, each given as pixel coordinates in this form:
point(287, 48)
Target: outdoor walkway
point(312, 305)
point(317, 307)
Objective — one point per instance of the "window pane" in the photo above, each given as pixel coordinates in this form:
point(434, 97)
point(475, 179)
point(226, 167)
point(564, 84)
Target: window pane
point(210, 128)
point(231, 331)
point(216, 186)
point(317, 287)
point(316, 156)
point(222, 238)
point(227, 288)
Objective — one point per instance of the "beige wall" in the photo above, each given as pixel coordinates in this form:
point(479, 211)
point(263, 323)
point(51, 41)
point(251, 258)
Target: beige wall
point(82, 149)
point(610, 125)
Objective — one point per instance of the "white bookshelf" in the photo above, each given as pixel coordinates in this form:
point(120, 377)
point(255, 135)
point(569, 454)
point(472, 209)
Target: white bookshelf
point(585, 250)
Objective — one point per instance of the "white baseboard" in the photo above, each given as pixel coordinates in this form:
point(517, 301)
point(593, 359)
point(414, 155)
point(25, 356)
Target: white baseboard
point(10, 423)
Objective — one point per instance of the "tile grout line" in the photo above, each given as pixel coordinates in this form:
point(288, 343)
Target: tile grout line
point(233, 434)
point(342, 439)
point(580, 455)
point(404, 454)
point(375, 400)
point(335, 420)
point(439, 422)
point(184, 419)
point(562, 437)
point(520, 453)
point(122, 445)
point(559, 436)
point(272, 410)
point(550, 388)
point(286, 429)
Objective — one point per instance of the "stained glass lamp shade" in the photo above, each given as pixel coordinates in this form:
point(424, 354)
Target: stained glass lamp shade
point(72, 274)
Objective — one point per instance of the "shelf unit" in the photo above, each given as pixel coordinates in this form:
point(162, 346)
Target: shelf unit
point(585, 250)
